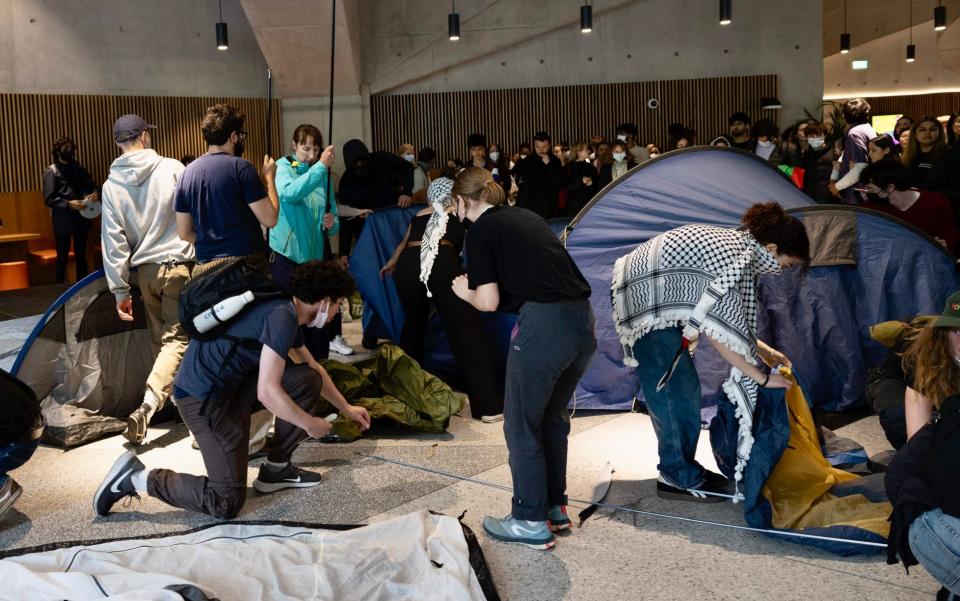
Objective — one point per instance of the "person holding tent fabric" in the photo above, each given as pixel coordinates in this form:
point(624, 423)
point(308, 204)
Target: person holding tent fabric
point(424, 264)
point(224, 380)
point(923, 480)
point(516, 263)
point(693, 280)
point(307, 218)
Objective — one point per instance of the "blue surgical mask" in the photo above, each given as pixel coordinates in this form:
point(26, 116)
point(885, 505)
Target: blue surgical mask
point(494, 156)
point(409, 158)
point(619, 156)
point(815, 143)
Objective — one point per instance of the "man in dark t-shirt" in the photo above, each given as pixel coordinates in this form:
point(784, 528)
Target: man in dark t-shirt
point(539, 178)
point(259, 359)
point(220, 202)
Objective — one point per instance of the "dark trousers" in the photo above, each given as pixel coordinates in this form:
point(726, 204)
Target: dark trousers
point(79, 237)
point(349, 233)
point(15, 454)
point(316, 340)
point(886, 396)
point(223, 436)
point(461, 322)
point(550, 350)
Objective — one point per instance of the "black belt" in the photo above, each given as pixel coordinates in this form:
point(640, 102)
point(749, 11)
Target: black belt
point(174, 263)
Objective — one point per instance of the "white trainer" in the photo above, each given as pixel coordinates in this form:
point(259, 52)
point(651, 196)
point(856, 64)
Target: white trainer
point(338, 345)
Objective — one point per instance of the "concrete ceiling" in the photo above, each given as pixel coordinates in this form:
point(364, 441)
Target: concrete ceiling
point(868, 20)
point(296, 43)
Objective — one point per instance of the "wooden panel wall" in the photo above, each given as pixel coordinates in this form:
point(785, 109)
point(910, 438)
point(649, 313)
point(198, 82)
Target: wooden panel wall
point(937, 105)
point(573, 113)
point(31, 123)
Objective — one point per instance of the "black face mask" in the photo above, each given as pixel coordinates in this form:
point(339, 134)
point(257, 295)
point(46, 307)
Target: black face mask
point(67, 154)
point(360, 168)
point(238, 148)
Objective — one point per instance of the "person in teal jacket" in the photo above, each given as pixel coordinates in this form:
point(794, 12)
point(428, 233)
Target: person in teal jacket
point(307, 219)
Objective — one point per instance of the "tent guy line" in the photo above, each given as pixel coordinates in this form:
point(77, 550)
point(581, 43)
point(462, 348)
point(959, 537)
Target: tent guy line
point(629, 509)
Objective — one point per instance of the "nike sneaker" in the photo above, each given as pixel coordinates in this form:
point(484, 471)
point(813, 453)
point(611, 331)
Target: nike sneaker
point(290, 476)
point(118, 484)
point(535, 535)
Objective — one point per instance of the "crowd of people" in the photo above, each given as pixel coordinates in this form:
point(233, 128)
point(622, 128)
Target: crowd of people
point(179, 225)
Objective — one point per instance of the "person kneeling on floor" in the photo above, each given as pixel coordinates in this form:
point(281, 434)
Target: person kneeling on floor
point(218, 387)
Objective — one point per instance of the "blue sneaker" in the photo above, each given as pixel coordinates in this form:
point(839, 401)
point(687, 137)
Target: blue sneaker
point(535, 535)
point(557, 519)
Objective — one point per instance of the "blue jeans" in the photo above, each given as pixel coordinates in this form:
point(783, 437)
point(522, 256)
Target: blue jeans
point(675, 410)
point(14, 455)
point(935, 541)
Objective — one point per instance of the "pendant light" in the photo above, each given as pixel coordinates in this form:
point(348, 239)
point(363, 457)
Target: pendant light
point(845, 36)
point(939, 17)
point(221, 29)
point(726, 12)
point(453, 23)
point(911, 49)
point(586, 18)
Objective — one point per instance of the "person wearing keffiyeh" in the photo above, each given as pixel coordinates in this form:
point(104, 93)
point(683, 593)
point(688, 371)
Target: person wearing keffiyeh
point(693, 280)
point(423, 266)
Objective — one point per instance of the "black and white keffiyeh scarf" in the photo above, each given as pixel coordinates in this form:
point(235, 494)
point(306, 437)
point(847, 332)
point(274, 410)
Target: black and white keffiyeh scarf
point(702, 278)
point(438, 195)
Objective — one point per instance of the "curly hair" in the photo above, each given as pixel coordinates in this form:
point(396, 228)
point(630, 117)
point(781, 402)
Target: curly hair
point(219, 122)
point(770, 225)
point(929, 355)
point(314, 281)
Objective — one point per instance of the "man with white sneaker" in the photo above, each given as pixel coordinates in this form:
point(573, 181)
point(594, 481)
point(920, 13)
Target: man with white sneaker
point(222, 381)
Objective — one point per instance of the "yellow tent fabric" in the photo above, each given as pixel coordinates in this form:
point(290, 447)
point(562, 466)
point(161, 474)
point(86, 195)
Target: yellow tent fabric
point(798, 489)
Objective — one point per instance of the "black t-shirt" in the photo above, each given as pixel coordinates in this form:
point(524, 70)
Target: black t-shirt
point(515, 248)
point(749, 145)
point(454, 234)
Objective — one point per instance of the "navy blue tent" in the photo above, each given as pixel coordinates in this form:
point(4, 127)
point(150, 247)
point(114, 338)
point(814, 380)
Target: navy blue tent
point(820, 322)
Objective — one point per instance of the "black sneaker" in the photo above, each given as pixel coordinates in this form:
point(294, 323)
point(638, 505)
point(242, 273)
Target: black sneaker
point(290, 476)
point(667, 491)
point(9, 493)
point(715, 481)
point(117, 485)
point(137, 424)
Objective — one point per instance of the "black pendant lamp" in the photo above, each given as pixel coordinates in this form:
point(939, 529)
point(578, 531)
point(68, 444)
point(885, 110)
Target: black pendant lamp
point(586, 18)
point(453, 23)
point(911, 49)
point(939, 17)
point(726, 12)
point(221, 29)
point(845, 36)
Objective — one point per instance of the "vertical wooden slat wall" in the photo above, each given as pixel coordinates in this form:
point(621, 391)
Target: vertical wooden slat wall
point(571, 113)
point(937, 105)
point(31, 123)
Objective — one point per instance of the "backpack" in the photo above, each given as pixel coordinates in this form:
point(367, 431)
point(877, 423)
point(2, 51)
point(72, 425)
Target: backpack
point(221, 282)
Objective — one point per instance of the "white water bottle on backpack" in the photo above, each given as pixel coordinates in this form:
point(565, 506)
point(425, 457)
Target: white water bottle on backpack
point(221, 312)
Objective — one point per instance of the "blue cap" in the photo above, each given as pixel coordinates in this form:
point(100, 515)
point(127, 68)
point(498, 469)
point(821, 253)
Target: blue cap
point(129, 127)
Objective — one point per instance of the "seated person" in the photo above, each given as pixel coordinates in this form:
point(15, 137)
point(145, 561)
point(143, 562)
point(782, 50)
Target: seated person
point(923, 481)
point(219, 385)
point(21, 426)
point(888, 190)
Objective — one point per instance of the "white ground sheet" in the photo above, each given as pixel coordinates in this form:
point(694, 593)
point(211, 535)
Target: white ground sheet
point(416, 556)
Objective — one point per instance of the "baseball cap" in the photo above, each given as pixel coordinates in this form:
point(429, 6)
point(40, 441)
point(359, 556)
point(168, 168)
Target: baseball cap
point(129, 127)
point(951, 313)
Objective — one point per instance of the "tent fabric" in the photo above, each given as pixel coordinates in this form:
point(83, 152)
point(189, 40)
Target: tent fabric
point(789, 484)
point(415, 556)
point(710, 185)
point(822, 322)
point(87, 367)
point(391, 385)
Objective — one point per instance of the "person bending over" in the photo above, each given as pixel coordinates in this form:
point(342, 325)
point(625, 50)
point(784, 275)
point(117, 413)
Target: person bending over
point(701, 279)
point(219, 386)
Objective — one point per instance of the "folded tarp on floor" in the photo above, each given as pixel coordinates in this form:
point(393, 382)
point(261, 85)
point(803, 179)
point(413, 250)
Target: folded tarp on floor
point(789, 485)
point(416, 556)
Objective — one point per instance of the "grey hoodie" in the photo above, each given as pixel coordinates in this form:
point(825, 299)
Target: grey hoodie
point(139, 223)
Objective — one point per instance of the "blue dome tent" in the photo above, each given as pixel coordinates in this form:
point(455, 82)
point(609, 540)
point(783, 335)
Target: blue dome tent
point(893, 271)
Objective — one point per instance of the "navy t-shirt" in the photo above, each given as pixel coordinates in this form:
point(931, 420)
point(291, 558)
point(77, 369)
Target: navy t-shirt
point(204, 369)
point(216, 189)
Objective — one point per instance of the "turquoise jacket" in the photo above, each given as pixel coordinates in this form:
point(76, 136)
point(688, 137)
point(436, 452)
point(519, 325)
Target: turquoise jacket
point(298, 234)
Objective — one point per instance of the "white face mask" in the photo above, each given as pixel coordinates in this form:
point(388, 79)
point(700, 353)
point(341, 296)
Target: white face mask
point(619, 156)
point(815, 143)
point(622, 137)
point(321, 319)
point(494, 156)
point(765, 144)
point(409, 157)
point(654, 155)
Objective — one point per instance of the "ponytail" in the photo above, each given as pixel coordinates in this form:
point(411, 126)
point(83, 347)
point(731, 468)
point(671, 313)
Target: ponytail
point(476, 184)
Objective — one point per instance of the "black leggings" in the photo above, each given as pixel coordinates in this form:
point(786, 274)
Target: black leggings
point(79, 237)
point(460, 321)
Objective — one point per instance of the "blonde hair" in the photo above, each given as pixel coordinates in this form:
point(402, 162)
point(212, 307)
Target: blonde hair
point(406, 149)
point(476, 184)
point(930, 356)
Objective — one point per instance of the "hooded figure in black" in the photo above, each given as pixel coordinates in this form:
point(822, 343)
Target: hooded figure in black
point(372, 181)
point(67, 187)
